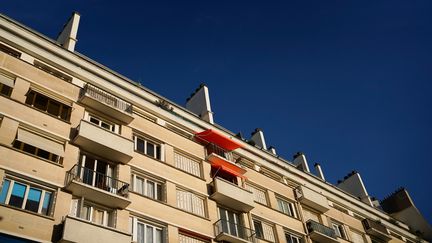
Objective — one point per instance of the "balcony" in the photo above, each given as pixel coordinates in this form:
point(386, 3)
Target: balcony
point(103, 143)
point(312, 199)
point(227, 231)
point(107, 103)
point(231, 195)
point(320, 233)
point(78, 230)
point(97, 187)
point(376, 229)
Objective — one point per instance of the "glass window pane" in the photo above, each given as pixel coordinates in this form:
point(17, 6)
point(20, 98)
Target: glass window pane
point(41, 102)
point(85, 212)
point(33, 199)
point(54, 108)
point(17, 197)
point(150, 149)
point(97, 216)
point(140, 145)
point(140, 233)
point(44, 154)
point(150, 189)
point(159, 234)
point(29, 148)
point(65, 113)
point(106, 125)
point(4, 191)
point(94, 121)
point(29, 99)
point(46, 203)
point(149, 234)
point(159, 192)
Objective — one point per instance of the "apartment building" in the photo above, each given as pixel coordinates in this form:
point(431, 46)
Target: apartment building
point(87, 155)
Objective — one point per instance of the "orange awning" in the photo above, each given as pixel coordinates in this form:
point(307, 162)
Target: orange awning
point(219, 162)
point(220, 140)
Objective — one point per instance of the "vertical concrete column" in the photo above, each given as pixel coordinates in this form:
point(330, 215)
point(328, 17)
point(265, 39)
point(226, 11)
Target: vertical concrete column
point(272, 200)
point(212, 210)
point(77, 115)
point(62, 207)
point(124, 173)
point(8, 130)
point(72, 156)
point(171, 194)
point(172, 234)
point(126, 132)
point(324, 219)
point(280, 233)
point(169, 154)
point(122, 220)
point(20, 89)
point(206, 168)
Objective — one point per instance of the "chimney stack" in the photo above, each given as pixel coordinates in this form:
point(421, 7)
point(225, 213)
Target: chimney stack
point(68, 36)
point(272, 150)
point(300, 162)
point(199, 103)
point(319, 171)
point(257, 137)
point(353, 184)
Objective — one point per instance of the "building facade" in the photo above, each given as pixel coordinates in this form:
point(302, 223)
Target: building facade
point(87, 155)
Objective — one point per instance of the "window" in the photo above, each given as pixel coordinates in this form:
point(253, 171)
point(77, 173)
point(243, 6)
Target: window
point(103, 123)
point(290, 238)
point(190, 202)
point(6, 84)
point(26, 196)
point(144, 232)
point(264, 231)
point(258, 193)
point(183, 238)
point(147, 147)
point(286, 207)
point(37, 145)
point(9, 51)
point(147, 187)
point(187, 164)
point(356, 237)
point(339, 229)
point(231, 223)
point(52, 71)
point(92, 212)
point(48, 105)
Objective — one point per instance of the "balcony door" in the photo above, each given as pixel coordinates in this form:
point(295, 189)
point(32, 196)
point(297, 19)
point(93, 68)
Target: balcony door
point(231, 222)
point(97, 173)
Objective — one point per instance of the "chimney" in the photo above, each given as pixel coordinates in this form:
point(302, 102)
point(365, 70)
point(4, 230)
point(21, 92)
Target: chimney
point(300, 162)
point(353, 184)
point(272, 150)
point(319, 171)
point(257, 137)
point(68, 36)
point(199, 103)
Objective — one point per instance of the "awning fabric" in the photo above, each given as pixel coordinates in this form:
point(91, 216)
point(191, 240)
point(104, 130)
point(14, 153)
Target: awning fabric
point(4, 79)
point(41, 142)
point(229, 167)
point(220, 140)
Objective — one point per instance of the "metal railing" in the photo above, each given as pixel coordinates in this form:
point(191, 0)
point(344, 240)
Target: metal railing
point(97, 179)
point(231, 228)
point(371, 224)
point(313, 226)
point(107, 98)
point(213, 148)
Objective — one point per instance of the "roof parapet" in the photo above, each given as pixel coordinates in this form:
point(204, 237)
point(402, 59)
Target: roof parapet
point(68, 35)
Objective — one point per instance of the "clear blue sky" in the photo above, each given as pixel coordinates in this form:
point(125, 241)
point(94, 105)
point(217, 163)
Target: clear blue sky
point(347, 82)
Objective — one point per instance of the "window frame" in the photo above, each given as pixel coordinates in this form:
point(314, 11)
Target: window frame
point(31, 102)
point(189, 202)
point(260, 223)
point(188, 163)
point(133, 228)
point(28, 187)
point(113, 127)
point(339, 229)
point(145, 180)
point(298, 238)
point(256, 198)
point(292, 210)
point(51, 156)
point(157, 146)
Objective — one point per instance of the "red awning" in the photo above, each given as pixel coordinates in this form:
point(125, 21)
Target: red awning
point(219, 162)
point(220, 140)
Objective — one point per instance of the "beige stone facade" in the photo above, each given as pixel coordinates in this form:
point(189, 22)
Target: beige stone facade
point(89, 156)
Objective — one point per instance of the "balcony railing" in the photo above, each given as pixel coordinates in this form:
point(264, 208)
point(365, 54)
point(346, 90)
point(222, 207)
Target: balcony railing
point(214, 149)
point(236, 230)
point(313, 226)
point(97, 179)
point(107, 98)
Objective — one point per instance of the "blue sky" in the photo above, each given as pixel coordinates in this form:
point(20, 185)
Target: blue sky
point(347, 82)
